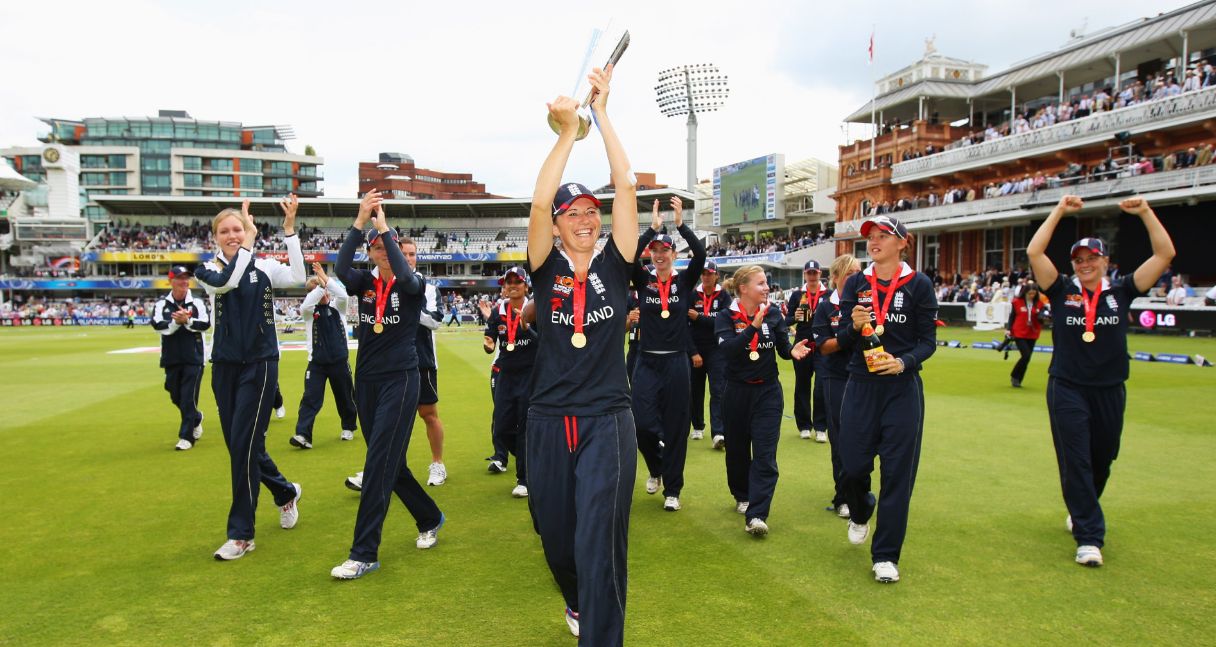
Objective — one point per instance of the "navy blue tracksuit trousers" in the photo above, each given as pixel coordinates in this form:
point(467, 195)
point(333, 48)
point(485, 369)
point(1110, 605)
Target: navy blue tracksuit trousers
point(512, 391)
point(885, 418)
point(660, 410)
point(243, 394)
point(501, 453)
point(713, 367)
point(807, 416)
point(386, 414)
point(183, 381)
point(581, 472)
point(833, 396)
point(1086, 426)
point(753, 428)
point(343, 387)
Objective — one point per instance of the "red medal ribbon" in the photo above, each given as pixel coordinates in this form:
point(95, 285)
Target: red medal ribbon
point(746, 318)
point(813, 304)
point(880, 309)
point(580, 304)
point(664, 289)
point(512, 322)
point(1091, 308)
point(708, 304)
point(381, 296)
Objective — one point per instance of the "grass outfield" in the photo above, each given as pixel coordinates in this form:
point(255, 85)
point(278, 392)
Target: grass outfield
point(753, 175)
point(107, 533)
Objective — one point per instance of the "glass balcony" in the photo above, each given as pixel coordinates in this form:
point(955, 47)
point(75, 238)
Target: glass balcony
point(1142, 117)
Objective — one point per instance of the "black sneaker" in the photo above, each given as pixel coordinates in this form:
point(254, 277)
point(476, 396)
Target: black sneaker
point(496, 466)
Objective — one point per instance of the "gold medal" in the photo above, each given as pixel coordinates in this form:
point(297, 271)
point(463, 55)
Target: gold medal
point(1088, 336)
point(378, 328)
point(665, 314)
point(878, 330)
point(510, 347)
point(753, 356)
point(578, 340)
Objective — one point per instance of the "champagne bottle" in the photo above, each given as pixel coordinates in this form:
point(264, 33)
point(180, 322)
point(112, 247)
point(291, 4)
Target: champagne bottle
point(871, 347)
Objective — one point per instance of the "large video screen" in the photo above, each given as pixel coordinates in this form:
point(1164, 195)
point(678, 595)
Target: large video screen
point(749, 191)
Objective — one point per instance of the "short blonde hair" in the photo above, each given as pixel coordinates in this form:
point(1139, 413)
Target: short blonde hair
point(742, 276)
point(839, 267)
point(221, 216)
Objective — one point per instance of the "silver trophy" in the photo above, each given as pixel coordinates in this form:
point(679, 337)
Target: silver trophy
point(595, 51)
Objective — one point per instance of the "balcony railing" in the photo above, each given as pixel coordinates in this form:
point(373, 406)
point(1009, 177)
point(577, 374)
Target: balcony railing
point(1042, 201)
point(1150, 115)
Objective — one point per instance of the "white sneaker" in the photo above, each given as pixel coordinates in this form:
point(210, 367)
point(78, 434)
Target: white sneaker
point(355, 482)
point(858, 532)
point(756, 527)
point(572, 621)
point(183, 445)
point(741, 507)
point(842, 511)
point(821, 436)
point(805, 434)
point(438, 474)
point(1068, 523)
point(430, 537)
point(281, 412)
point(698, 434)
point(289, 514)
point(653, 483)
point(348, 434)
point(520, 491)
point(300, 441)
point(719, 442)
point(353, 570)
point(671, 503)
point(886, 572)
point(234, 549)
point(198, 429)
point(1089, 555)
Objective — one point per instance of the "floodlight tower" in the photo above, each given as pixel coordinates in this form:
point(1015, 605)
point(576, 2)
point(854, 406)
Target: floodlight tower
point(687, 90)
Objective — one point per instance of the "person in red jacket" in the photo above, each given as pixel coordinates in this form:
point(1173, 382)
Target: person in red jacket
point(1023, 328)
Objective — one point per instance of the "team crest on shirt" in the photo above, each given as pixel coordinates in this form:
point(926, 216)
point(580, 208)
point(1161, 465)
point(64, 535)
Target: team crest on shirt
point(1111, 302)
point(596, 283)
point(899, 300)
point(396, 301)
point(864, 296)
point(764, 329)
point(563, 284)
point(1074, 301)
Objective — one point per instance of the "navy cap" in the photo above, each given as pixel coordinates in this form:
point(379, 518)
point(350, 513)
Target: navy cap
point(811, 266)
point(373, 234)
point(568, 193)
point(884, 223)
point(664, 240)
point(517, 271)
point(710, 266)
point(178, 270)
point(1094, 245)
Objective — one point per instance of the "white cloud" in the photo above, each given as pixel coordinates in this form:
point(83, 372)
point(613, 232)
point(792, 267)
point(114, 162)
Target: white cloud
point(462, 86)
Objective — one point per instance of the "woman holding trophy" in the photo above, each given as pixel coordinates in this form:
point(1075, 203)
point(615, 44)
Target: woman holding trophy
point(581, 449)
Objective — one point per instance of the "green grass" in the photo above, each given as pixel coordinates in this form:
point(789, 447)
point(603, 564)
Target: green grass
point(108, 533)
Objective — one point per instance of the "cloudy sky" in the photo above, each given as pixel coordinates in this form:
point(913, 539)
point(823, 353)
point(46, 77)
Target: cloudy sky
point(462, 86)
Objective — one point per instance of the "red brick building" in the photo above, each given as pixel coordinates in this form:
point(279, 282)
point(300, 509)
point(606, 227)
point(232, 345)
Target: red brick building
point(397, 175)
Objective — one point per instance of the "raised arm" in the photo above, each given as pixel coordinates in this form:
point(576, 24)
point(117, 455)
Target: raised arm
point(1045, 272)
point(309, 305)
point(694, 244)
point(625, 201)
point(540, 219)
point(1163, 248)
point(294, 273)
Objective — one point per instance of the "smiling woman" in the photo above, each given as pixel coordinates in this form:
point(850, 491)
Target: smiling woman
point(1086, 395)
point(580, 394)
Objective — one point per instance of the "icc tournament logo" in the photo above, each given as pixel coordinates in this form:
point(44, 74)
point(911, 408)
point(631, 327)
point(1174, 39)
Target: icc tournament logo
point(864, 296)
